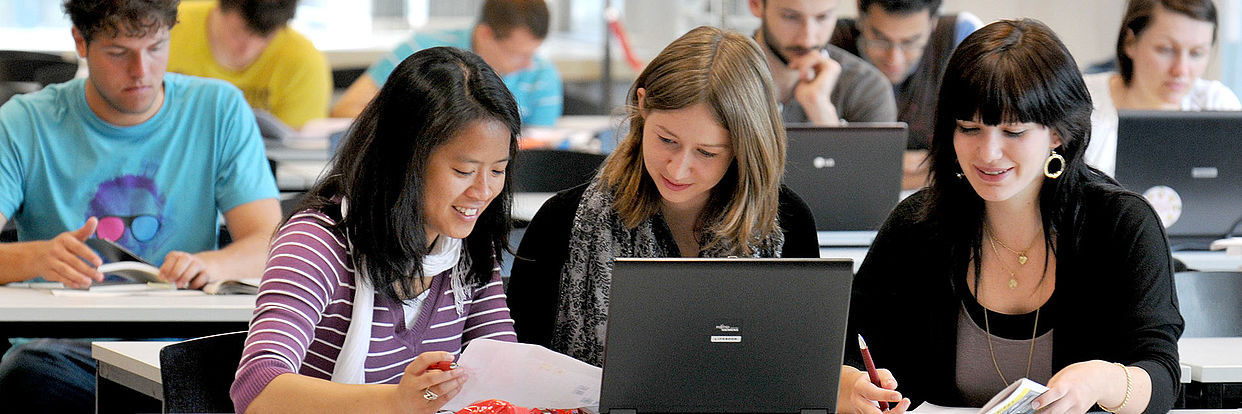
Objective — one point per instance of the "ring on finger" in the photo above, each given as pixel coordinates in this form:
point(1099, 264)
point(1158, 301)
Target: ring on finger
point(429, 394)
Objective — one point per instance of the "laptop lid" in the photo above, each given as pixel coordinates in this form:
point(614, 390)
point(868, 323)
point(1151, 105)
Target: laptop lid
point(1189, 167)
point(850, 176)
point(725, 335)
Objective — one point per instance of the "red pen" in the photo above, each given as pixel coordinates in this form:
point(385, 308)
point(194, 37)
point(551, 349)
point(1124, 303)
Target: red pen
point(875, 376)
point(444, 366)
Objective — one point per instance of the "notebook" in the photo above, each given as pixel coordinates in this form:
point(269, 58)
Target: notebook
point(1189, 167)
point(850, 176)
point(725, 335)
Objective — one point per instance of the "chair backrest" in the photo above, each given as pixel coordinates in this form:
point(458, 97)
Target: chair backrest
point(197, 373)
point(549, 171)
point(22, 72)
point(37, 67)
point(1211, 303)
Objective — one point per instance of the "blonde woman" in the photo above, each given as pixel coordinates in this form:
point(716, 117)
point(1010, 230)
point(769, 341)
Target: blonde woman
point(698, 176)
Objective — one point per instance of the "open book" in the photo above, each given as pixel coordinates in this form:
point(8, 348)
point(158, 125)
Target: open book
point(121, 265)
point(233, 287)
point(1014, 399)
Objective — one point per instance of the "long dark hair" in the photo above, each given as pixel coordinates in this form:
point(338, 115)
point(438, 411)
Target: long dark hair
point(1009, 72)
point(430, 97)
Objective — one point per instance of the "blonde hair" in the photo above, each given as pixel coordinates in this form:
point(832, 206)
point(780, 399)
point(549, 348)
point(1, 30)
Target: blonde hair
point(727, 71)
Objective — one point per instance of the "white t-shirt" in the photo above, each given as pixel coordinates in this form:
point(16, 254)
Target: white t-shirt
point(1102, 152)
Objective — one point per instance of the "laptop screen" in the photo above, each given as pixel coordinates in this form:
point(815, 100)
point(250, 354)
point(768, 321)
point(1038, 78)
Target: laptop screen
point(725, 335)
point(850, 176)
point(1189, 167)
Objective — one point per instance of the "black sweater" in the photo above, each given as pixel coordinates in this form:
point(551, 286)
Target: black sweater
point(534, 284)
point(1114, 298)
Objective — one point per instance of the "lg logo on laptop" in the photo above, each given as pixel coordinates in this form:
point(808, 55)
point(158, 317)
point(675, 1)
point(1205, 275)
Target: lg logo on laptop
point(821, 162)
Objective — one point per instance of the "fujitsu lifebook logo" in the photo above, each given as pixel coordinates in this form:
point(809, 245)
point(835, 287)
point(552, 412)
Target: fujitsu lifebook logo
point(729, 333)
point(821, 162)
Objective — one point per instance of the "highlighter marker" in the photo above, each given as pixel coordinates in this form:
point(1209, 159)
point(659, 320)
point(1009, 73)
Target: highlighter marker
point(444, 366)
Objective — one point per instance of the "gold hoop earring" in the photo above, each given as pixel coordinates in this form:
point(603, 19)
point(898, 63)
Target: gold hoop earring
point(1048, 165)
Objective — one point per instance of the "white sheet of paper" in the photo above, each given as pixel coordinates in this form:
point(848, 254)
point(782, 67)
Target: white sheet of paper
point(526, 375)
point(929, 408)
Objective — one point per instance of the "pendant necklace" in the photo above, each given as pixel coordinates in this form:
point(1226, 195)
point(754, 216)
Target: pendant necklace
point(1013, 276)
point(1022, 257)
point(1030, 354)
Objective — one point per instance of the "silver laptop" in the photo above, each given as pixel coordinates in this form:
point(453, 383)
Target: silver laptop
point(850, 176)
point(725, 335)
point(1189, 167)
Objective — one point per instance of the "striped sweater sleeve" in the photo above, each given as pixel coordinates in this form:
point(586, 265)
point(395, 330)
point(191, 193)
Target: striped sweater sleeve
point(489, 314)
point(305, 270)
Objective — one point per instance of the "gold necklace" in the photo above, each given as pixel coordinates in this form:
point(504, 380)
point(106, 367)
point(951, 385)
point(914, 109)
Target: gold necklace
point(1029, 356)
point(1013, 276)
point(1022, 257)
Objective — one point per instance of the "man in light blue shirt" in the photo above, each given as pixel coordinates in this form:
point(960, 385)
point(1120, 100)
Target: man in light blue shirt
point(506, 37)
point(134, 156)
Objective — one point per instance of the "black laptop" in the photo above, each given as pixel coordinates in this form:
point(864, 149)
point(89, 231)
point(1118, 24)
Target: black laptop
point(850, 176)
point(1189, 167)
point(725, 335)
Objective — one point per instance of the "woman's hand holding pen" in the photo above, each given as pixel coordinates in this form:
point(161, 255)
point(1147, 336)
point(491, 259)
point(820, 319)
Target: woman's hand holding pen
point(426, 386)
point(859, 395)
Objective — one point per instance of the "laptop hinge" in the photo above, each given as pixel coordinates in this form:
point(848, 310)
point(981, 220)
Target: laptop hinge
point(814, 411)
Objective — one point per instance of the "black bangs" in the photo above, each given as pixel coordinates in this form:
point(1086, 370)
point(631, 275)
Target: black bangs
point(1006, 88)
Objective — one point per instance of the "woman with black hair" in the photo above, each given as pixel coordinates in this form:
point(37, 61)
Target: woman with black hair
point(1019, 260)
point(381, 273)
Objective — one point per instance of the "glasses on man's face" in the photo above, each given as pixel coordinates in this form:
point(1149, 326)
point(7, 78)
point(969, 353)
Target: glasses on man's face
point(142, 227)
point(885, 45)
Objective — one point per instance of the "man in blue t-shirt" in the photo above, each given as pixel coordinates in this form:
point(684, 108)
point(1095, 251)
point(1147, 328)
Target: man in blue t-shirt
point(130, 155)
point(506, 37)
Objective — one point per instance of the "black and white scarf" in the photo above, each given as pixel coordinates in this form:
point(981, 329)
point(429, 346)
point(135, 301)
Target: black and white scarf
point(598, 237)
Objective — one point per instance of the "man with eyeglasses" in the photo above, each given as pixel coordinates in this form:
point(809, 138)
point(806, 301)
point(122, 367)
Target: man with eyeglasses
point(815, 81)
point(911, 43)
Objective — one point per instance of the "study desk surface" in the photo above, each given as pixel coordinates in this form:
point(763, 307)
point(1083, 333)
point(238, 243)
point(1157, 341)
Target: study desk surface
point(1212, 360)
point(38, 305)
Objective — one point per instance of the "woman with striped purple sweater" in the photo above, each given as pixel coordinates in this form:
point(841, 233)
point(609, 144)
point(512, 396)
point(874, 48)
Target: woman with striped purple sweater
point(380, 272)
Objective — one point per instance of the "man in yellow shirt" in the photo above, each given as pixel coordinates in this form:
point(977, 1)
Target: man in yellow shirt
point(248, 44)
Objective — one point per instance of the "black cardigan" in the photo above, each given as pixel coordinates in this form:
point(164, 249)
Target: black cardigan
point(534, 284)
point(1114, 299)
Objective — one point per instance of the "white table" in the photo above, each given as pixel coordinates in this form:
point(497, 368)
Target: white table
point(31, 312)
point(1212, 360)
point(1207, 261)
point(1215, 369)
point(126, 367)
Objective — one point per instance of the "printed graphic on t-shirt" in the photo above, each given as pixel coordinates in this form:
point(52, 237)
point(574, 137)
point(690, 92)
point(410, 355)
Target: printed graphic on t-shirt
point(131, 213)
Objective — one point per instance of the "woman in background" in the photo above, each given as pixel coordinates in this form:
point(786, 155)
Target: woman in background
point(381, 273)
point(1162, 50)
point(698, 176)
point(1019, 261)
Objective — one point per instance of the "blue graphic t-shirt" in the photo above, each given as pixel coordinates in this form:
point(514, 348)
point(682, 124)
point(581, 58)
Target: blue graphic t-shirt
point(536, 88)
point(156, 187)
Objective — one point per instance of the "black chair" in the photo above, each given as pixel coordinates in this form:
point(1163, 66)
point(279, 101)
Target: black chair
point(197, 373)
point(1210, 303)
point(549, 171)
point(22, 72)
